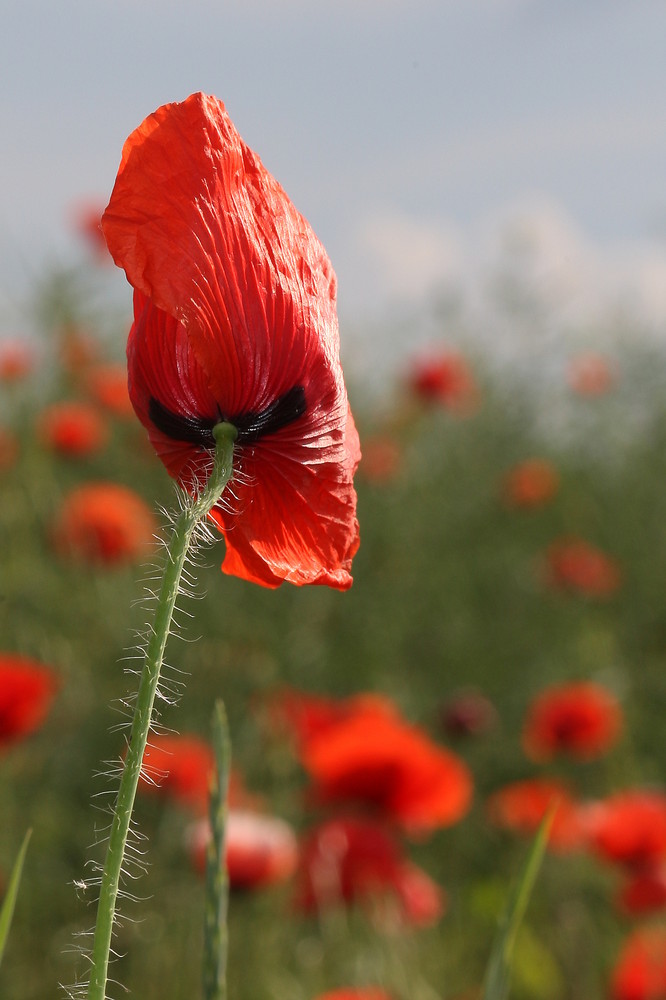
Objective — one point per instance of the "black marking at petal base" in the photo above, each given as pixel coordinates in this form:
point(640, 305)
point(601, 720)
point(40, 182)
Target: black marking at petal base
point(193, 430)
point(286, 408)
point(250, 426)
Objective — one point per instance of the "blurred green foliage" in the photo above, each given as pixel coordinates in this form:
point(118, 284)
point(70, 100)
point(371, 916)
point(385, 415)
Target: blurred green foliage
point(448, 594)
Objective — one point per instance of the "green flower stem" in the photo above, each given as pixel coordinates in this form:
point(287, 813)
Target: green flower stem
point(184, 527)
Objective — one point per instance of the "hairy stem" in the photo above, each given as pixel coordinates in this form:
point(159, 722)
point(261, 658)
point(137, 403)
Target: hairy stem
point(176, 552)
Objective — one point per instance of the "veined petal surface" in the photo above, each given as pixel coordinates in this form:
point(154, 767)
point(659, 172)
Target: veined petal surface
point(235, 320)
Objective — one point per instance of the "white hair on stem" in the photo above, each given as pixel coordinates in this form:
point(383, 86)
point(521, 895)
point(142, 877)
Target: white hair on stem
point(169, 691)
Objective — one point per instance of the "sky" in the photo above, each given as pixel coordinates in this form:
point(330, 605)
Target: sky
point(423, 139)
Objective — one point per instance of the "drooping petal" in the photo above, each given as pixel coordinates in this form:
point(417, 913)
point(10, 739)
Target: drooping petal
point(289, 519)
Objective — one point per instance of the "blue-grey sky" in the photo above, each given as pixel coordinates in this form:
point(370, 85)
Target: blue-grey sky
point(403, 129)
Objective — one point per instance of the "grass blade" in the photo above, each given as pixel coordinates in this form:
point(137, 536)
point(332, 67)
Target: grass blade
point(498, 973)
point(217, 883)
point(7, 911)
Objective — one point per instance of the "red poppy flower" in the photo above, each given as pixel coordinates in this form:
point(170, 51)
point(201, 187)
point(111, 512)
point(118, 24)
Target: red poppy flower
point(381, 459)
point(580, 719)
point(422, 901)
point(532, 483)
point(629, 828)
point(306, 716)
point(591, 375)
point(352, 993)
point(523, 805)
point(73, 429)
point(108, 386)
point(180, 767)
point(378, 761)
point(640, 970)
point(447, 379)
point(644, 891)
point(17, 360)
point(87, 220)
point(574, 564)
point(77, 349)
point(104, 524)
point(234, 319)
point(260, 850)
point(27, 689)
point(349, 860)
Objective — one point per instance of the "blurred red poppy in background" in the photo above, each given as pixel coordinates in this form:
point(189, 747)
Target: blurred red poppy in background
point(27, 689)
point(381, 459)
point(591, 374)
point(574, 564)
point(521, 806)
point(73, 429)
point(467, 713)
point(17, 360)
point(87, 221)
point(235, 320)
point(445, 378)
point(640, 970)
point(392, 769)
point(644, 891)
point(107, 384)
point(629, 828)
point(304, 716)
point(260, 850)
point(77, 348)
point(103, 524)
point(582, 720)
point(352, 993)
point(349, 860)
point(180, 767)
point(532, 483)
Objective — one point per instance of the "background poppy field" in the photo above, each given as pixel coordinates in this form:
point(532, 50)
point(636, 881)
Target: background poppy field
point(512, 541)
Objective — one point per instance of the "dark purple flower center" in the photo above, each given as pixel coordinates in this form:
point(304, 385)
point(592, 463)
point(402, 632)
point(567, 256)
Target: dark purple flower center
point(251, 426)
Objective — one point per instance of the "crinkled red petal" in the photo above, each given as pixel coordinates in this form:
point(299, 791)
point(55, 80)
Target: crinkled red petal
point(291, 515)
point(201, 228)
point(209, 237)
point(161, 365)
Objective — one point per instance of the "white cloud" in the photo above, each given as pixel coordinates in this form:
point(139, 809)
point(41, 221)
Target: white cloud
point(407, 256)
point(530, 261)
point(578, 280)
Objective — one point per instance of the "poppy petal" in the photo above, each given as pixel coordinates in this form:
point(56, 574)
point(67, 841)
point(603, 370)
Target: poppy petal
point(290, 518)
point(201, 228)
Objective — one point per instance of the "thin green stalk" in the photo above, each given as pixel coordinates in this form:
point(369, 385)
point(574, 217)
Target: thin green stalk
point(184, 527)
point(217, 879)
point(7, 909)
point(498, 973)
